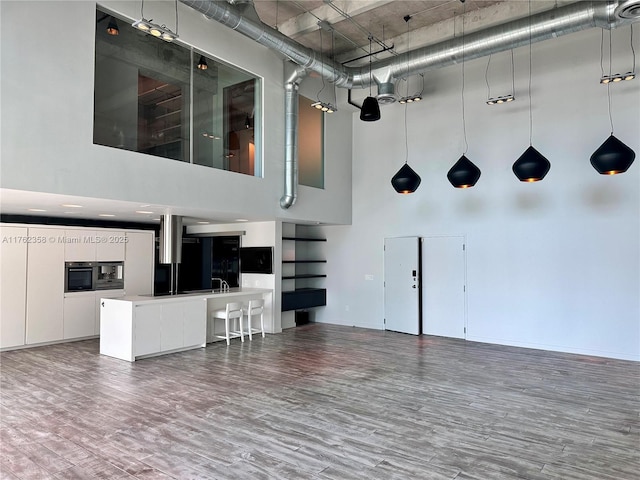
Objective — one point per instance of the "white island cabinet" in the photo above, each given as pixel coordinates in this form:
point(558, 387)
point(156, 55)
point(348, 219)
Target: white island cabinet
point(133, 327)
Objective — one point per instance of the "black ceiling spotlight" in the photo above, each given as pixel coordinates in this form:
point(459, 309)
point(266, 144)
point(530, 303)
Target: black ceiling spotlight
point(612, 157)
point(112, 27)
point(370, 111)
point(202, 63)
point(532, 166)
point(406, 180)
point(464, 173)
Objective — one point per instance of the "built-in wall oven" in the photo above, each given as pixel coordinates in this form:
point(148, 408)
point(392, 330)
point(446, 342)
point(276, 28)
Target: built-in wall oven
point(80, 276)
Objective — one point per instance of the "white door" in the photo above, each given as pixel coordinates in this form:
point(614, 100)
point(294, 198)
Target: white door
point(401, 284)
point(443, 286)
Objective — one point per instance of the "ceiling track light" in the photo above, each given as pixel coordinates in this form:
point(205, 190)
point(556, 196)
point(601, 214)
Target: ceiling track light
point(501, 100)
point(618, 77)
point(159, 31)
point(325, 107)
point(410, 99)
point(153, 29)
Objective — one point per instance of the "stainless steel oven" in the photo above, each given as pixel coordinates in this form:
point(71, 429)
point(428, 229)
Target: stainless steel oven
point(80, 276)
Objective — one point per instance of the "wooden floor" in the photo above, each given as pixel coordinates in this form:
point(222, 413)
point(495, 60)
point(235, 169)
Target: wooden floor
point(320, 402)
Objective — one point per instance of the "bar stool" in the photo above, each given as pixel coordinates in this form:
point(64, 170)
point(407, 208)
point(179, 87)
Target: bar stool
point(256, 307)
point(233, 312)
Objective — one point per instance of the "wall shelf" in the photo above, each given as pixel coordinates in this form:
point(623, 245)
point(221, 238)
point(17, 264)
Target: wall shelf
point(306, 275)
point(303, 296)
point(304, 261)
point(303, 239)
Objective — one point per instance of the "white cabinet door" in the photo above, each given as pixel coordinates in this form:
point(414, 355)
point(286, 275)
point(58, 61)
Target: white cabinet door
point(79, 315)
point(79, 245)
point(138, 264)
point(171, 326)
point(13, 285)
point(110, 245)
point(195, 323)
point(146, 329)
point(98, 297)
point(45, 285)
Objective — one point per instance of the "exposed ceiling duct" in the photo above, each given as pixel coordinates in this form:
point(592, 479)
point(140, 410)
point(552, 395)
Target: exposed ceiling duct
point(241, 15)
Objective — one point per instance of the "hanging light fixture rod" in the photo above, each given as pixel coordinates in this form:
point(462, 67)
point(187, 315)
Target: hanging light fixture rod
point(373, 54)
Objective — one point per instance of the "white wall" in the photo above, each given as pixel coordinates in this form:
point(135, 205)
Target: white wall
point(47, 119)
point(551, 265)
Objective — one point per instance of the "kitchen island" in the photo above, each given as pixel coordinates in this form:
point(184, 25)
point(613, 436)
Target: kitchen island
point(135, 327)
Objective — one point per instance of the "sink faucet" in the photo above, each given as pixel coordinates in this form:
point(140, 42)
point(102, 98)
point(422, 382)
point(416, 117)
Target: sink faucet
point(224, 286)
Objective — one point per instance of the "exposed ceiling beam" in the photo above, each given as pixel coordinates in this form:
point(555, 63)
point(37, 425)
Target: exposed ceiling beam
point(479, 19)
point(308, 22)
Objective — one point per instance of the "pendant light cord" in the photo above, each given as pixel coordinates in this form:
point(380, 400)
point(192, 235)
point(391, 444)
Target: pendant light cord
point(141, 8)
point(464, 122)
point(486, 77)
point(321, 67)
point(633, 51)
point(176, 17)
point(530, 68)
point(406, 137)
point(609, 84)
point(370, 74)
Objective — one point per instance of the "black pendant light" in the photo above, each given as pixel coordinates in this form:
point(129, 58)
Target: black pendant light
point(370, 111)
point(464, 173)
point(531, 166)
point(613, 156)
point(406, 180)
point(112, 27)
point(202, 63)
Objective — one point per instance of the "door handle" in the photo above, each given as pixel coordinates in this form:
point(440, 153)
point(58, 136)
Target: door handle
point(413, 286)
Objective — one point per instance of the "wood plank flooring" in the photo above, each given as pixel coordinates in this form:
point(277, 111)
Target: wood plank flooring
point(320, 402)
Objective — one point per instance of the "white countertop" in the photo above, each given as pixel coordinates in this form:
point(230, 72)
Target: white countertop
point(233, 292)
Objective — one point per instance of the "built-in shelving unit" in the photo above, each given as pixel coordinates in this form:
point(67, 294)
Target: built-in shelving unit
point(300, 289)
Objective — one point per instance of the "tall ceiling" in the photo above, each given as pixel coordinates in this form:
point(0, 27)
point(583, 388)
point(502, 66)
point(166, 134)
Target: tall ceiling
point(337, 28)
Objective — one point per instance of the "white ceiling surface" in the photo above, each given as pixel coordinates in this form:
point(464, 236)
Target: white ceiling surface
point(352, 21)
point(19, 202)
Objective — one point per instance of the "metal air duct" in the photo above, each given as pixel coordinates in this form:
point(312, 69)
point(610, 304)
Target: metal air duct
point(170, 239)
point(241, 16)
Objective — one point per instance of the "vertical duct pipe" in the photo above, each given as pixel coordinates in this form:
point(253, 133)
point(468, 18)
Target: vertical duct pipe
point(293, 77)
point(170, 239)
point(171, 246)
